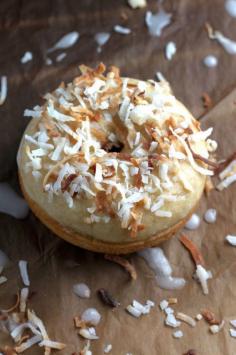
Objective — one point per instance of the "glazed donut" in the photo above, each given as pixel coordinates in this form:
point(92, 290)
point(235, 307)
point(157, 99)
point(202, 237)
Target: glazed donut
point(109, 163)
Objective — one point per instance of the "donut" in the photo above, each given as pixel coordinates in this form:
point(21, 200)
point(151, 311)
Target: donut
point(113, 164)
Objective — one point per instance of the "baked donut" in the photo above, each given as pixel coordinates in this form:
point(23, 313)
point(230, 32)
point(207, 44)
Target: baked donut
point(109, 163)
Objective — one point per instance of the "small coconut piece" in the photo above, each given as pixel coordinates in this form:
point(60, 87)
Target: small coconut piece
point(60, 57)
point(193, 222)
point(232, 332)
point(27, 57)
point(163, 304)
point(210, 215)
point(172, 300)
point(215, 328)
point(185, 318)
point(24, 272)
point(170, 50)
point(178, 334)
point(3, 279)
point(157, 22)
point(171, 321)
point(88, 333)
point(23, 298)
point(198, 316)
point(231, 239)
point(210, 61)
point(3, 92)
point(133, 311)
point(210, 317)
point(233, 323)
point(107, 349)
point(122, 30)
point(137, 3)
point(66, 41)
point(52, 344)
point(203, 275)
point(82, 290)
point(91, 316)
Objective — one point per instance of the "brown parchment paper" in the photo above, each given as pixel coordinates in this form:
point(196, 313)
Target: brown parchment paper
point(54, 266)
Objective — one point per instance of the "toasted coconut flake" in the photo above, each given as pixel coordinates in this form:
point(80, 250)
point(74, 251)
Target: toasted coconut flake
point(124, 263)
point(28, 344)
point(210, 317)
point(172, 300)
point(52, 344)
point(185, 318)
point(3, 91)
point(191, 247)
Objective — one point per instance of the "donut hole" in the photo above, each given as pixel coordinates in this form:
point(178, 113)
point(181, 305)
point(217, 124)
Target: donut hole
point(113, 147)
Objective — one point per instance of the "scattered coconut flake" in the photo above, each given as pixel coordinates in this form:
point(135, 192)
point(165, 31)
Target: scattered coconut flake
point(232, 332)
point(61, 56)
point(88, 333)
point(228, 44)
point(91, 316)
point(233, 323)
point(107, 349)
point(24, 293)
point(3, 92)
point(230, 7)
point(198, 317)
point(178, 334)
point(210, 215)
point(170, 50)
point(122, 30)
point(27, 57)
point(185, 318)
point(81, 290)
point(172, 300)
point(133, 311)
point(52, 344)
point(24, 273)
point(48, 61)
point(215, 328)
point(3, 279)
point(101, 38)
point(193, 222)
point(160, 76)
point(163, 304)
point(203, 275)
point(226, 182)
point(168, 310)
point(171, 321)
point(137, 3)
point(157, 261)
point(66, 41)
point(28, 344)
point(231, 239)
point(210, 61)
point(157, 22)
point(11, 203)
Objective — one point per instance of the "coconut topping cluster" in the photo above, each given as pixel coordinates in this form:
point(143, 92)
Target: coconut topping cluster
point(117, 142)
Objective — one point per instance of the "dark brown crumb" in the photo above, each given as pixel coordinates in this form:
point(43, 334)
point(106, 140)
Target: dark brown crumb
point(207, 101)
point(190, 352)
point(107, 298)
